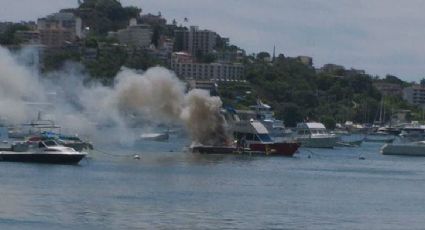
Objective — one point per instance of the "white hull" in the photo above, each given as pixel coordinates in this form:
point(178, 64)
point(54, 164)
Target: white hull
point(155, 136)
point(411, 149)
point(317, 142)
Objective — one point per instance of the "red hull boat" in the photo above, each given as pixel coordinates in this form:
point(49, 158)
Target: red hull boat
point(276, 149)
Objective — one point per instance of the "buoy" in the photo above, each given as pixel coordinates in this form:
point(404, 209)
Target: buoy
point(362, 158)
point(136, 157)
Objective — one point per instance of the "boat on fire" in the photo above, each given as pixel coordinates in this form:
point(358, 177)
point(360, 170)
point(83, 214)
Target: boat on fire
point(48, 151)
point(249, 137)
point(253, 137)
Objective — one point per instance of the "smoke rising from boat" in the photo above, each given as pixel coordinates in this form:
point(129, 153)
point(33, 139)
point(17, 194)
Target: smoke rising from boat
point(107, 113)
point(16, 86)
point(203, 120)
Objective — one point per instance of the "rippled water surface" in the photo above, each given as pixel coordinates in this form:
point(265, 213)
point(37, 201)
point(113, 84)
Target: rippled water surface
point(169, 189)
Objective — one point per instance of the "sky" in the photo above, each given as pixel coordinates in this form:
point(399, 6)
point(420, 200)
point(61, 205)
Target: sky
point(379, 36)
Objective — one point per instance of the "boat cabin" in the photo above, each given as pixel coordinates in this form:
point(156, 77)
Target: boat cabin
point(47, 144)
point(311, 128)
point(251, 132)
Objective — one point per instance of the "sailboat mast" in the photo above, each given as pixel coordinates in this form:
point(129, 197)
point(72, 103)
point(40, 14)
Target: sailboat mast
point(380, 111)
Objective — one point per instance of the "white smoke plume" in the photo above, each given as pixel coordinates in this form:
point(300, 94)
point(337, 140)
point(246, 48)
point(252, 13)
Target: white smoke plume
point(108, 114)
point(16, 86)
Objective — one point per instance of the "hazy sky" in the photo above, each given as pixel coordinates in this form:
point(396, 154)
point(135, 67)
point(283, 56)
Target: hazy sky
point(380, 36)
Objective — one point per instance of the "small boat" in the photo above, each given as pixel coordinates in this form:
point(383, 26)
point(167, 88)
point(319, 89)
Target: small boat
point(42, 152)
point(314, 135)
point(155, 136)
point(413, 132)
point(348, 143)
point(42, 129)
point(66, 140)
point(264, 113)
point(404, 149)
point(379, 137)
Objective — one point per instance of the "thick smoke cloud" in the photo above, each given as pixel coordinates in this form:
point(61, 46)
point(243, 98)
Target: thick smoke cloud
point(16, 86)
point(202, 118)
point(107, 114)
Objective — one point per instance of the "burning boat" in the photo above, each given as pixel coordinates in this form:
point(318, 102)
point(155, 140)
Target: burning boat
point(250, 137)
point(253, 137)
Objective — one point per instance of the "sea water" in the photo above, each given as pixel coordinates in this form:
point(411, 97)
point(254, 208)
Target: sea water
point(167, 188)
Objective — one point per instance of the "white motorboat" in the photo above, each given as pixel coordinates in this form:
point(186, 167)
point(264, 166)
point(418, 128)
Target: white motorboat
point(47, 151)
point(379, 137)
point(413, 132)
point(314, 135)
point(264, 113)
point(404, 149)
point(155, 136)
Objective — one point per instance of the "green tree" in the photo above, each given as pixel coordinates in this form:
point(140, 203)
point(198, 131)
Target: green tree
point(263, 55)
point(393, 79)
point(8, 37)
point(102, 16)
point(328, 121)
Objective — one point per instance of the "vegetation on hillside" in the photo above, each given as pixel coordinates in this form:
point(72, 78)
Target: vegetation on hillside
point(8, 36)
point(102, 16)
point(296, 91)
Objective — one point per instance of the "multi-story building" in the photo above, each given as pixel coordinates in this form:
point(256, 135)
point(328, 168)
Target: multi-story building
point(185, 68)
point(207, 85)
point(153, 19)
point(389, 89)
point(59, 29)
point(195, 41)
point(4, 26)
point(306, 60)
point(415, 94)
point(135, 35)
point(164, 50)
point(332, 69)
point(230, 55)
point(28, 36)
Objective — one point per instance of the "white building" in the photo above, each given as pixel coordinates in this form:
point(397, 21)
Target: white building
point(28, 36)
point(135, 35)
point(415, 95)
point(196, 41)
point(185, 68)
point(59, 28)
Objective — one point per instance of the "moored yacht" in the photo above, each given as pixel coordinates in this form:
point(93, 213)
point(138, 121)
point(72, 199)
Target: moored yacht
point(264, 113)
point(314, 135)
point(379, 137)
point(41, 152)
point(413, 132)
point(404, 149)
point(66, 140)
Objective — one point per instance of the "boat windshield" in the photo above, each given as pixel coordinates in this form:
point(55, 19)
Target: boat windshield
point(50, 143)
point(318, 131)
point(264, 137)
